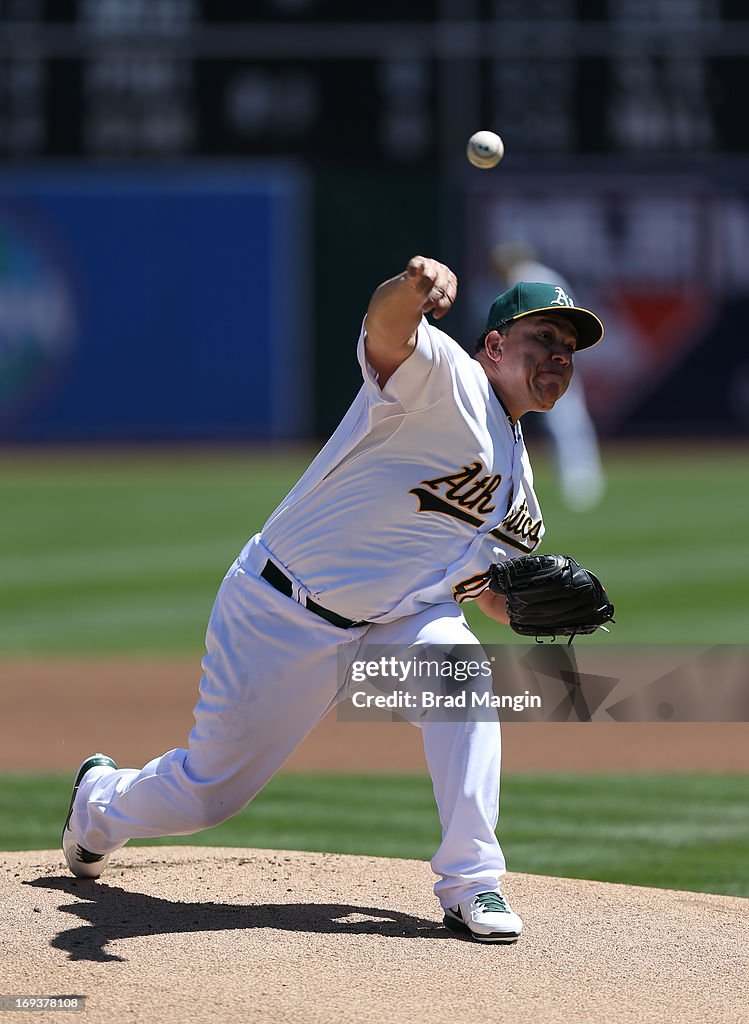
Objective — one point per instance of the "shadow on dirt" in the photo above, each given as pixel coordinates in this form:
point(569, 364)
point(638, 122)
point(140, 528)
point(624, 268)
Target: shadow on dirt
point(111, 913)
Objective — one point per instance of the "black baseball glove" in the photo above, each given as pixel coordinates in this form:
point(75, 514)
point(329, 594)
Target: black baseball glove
point(550, 595)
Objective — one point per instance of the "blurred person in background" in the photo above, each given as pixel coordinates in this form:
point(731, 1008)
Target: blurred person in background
point(569, 424)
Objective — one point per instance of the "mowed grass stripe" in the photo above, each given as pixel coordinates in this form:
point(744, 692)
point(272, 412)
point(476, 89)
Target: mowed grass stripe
point(113, 561)
point(163, 622)
point(716, 560)
point(677, 831)
point(679, 628)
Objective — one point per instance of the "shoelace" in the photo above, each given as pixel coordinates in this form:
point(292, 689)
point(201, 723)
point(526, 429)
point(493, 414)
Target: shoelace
point(493, 901)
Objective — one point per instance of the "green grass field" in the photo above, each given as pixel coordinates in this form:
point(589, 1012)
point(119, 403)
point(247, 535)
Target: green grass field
point(123, 553)
point(674, 832)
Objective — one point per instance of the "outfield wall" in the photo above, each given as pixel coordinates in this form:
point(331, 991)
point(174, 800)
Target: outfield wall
point(223, 301)
point(161, 304)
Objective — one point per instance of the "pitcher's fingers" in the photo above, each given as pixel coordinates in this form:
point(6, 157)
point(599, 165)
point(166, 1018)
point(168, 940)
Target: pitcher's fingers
point(423, 274)
point(442, 295)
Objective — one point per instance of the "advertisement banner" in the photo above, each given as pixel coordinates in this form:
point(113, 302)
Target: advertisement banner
point(660, 256)
point(153, 305)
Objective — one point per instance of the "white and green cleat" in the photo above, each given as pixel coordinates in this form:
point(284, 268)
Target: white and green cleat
point(487, 917)
point(83, 863)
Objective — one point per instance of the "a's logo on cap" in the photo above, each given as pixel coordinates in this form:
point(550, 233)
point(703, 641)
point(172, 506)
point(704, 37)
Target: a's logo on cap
point(562, 298)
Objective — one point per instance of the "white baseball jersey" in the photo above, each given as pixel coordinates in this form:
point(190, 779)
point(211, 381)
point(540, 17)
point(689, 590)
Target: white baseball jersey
point(424, 484)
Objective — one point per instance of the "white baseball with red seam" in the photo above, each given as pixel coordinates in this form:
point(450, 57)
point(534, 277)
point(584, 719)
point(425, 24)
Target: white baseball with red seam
point(485, 149)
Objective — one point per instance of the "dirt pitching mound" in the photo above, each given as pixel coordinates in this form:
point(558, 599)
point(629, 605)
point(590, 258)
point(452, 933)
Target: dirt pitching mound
point(205, 934)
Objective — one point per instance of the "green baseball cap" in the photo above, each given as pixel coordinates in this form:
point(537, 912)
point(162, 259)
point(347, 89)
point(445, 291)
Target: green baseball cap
point(531, 297)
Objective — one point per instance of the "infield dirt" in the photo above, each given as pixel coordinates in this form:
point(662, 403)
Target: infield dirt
point(56, 712)
point(205, 935)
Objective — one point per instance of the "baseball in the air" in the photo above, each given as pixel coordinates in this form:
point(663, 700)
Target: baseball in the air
point(485, 149)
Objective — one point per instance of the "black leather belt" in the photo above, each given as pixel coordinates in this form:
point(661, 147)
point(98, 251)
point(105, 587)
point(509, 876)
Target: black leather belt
point(281, 582)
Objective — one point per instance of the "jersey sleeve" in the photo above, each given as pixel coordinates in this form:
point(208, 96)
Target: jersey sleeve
point(422, 379)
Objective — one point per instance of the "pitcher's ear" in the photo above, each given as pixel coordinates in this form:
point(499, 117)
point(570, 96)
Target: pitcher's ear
point(493, 345)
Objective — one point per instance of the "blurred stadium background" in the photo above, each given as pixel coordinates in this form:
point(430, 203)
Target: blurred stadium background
point(196, 200)
point(196, 194)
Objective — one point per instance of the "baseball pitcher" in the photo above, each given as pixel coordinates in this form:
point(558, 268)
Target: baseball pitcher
point(423, 487)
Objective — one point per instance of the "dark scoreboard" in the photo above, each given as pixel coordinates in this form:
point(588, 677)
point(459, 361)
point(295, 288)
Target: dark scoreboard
point(402, 86)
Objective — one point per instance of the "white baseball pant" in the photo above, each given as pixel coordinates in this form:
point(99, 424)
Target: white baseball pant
point(271, 673)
